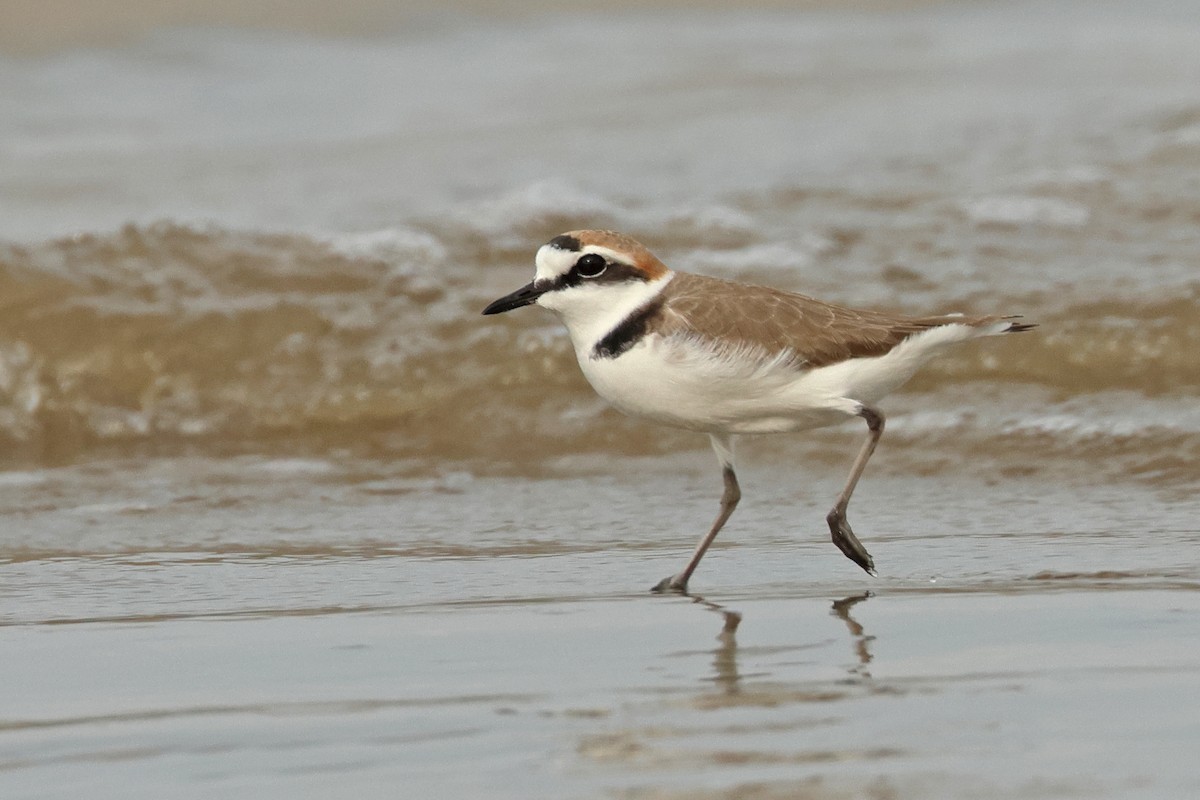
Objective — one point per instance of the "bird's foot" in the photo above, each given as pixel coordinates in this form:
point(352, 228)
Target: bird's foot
point(671, 584)
point(848, 543)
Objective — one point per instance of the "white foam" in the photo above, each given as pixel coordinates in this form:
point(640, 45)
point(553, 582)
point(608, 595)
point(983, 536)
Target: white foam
point(1078, 175)
point(1026, 210)
point(503, 219)
point(401, 246)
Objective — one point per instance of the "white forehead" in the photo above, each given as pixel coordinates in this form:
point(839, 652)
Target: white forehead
point(553, 262)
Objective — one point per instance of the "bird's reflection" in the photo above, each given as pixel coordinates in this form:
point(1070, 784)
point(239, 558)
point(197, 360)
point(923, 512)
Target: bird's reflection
point(862, 641)
point(725, 663)
point(725, 666)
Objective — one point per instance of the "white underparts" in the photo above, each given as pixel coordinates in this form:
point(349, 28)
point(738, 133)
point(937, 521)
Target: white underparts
point(691, 382)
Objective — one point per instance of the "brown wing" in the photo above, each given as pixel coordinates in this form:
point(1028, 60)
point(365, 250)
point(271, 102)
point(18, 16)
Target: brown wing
point(818, 333)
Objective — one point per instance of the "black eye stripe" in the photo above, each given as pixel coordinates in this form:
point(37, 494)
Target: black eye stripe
point(613, 272)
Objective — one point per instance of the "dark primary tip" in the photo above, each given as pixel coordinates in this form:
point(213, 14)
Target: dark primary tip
point(565, 242)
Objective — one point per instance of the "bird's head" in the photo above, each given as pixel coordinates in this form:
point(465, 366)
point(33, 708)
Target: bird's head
point(582, 275)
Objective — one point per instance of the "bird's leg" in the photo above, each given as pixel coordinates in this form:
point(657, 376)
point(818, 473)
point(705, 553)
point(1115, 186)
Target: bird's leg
point(729, 501)
point(723, 444)
point(843, 536)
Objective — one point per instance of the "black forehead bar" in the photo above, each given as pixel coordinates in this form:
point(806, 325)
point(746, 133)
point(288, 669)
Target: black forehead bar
point(565, 242)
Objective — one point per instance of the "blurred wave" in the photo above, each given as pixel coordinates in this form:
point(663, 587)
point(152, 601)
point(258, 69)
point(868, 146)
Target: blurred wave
point(175, 333)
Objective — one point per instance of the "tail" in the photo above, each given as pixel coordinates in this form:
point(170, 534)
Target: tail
point(1016, 327)
point(994, 326)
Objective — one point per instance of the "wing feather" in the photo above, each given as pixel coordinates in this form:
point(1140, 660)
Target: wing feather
point(816, 333)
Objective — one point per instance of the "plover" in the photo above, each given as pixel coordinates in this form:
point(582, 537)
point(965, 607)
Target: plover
point(727, 358)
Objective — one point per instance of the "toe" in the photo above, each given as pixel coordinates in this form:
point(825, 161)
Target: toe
point(670, 584)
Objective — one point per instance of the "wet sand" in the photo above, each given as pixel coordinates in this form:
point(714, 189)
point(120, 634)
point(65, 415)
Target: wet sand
point(346, 629)
point(901, 694)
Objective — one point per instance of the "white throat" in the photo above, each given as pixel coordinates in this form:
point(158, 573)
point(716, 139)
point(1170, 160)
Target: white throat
point(591, 310)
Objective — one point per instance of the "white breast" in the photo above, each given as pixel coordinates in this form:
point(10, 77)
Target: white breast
point(682, 382)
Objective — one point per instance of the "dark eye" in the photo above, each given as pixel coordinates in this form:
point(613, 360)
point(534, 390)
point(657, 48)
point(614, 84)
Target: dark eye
point(591, 266)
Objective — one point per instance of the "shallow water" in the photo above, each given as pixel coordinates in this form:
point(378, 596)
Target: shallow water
point(282, 515)
point(905, 695)
point(318, 626)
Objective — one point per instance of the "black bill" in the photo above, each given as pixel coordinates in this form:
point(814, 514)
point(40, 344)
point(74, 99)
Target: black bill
point(526, 295)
